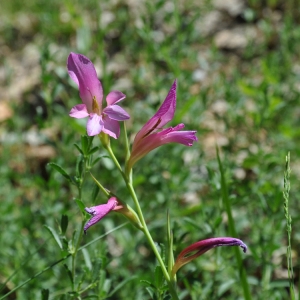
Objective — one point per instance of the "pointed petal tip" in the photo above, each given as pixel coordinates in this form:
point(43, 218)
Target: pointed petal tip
point(243, 246)
point(114, 97)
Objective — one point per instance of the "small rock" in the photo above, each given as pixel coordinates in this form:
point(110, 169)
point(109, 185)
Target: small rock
point(219, 107)
point(107, 17)
point(213, 22)
point(239, 173)
point(199, 75)
point(236, 38)
point(41, 153)
point(233, 7)
point(228, 39)
point(5, 111)
point(191, 198)
point(210, 141)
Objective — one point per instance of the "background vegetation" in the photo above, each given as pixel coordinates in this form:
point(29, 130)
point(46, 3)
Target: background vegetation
point(243, 97)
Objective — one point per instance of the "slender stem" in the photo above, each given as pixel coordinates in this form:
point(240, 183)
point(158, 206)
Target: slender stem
point(102, 188)
point(142, 220)
point(112, 155)
point(232, 230)
point(151, 242)
point(126, 143)
point(286, 195)
point(80, 233)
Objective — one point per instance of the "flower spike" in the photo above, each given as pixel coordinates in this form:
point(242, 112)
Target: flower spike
point(152, 135)
point(199, 248)
point(83, 73)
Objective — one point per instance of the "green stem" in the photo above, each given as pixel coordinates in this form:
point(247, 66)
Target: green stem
point(126, 143)
point(142, 220)
point(80, 234)
point(151, 242)
point(112, 155)
point(101, 187)
point(232, 230)
point(74, 254)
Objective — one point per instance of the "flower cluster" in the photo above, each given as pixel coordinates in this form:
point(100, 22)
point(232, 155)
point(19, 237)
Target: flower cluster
point(151, 136)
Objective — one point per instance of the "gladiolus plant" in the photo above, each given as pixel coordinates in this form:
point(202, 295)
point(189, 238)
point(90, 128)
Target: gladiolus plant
point(104, 123)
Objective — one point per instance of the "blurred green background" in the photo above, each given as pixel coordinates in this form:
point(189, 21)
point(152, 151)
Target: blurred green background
point(238, 70)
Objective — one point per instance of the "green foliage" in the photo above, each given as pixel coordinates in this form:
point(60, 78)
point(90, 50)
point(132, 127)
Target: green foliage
point(248, 103)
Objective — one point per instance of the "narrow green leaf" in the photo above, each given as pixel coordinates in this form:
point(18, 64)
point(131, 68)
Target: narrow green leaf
point(120, 285)
point(65, 244)
point(79, 166)
point(90, 141)
point(59, 169)
point(79, 149)
point(102, 277)
point(87, 259)
point(170, 244)
point(64, 223)
point(151, 292)
point(95, 193)
point(93, 150)
point(158, 277)
point(84, 144)
point(55, 236)
point(99, 158)
point(96, 269)
point(69, 273)
point(45, 294)
point(80, 204)
point(147, 283)
point(232, 230)
point(95, 161)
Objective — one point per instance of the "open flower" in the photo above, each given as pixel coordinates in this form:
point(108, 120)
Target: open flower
point(199, 248)
point(152, 135)
point(83, 73)
point(100, 211)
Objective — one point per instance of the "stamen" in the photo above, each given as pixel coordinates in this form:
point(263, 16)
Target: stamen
point(153, 128)
point(95, 106)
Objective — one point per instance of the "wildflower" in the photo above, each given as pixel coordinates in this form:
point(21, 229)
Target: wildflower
point(83, 73)
point(199, 248)
point(100, 211)
point(152, 135)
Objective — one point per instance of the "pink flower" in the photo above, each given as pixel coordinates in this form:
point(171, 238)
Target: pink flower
point(152, 135)
point(199, 248)
point(83, 73)
point(100, 211)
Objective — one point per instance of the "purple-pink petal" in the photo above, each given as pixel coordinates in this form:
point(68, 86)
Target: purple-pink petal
point(199, 248)
point(79, 111)
point(167, 110)
point(99, 211)
point(111, 127)
point(83, 73)
point(154, 140)
point(186, 138)
point(164, 115)
point(116, 112)
point(94, 125)
point(114, 97)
